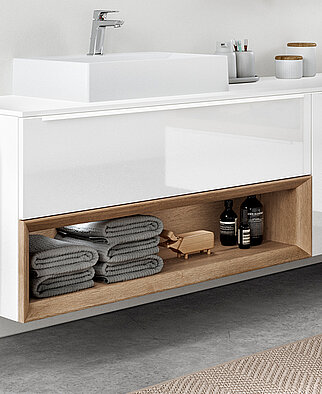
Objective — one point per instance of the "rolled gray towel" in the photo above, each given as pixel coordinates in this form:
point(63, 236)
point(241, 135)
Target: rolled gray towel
point(116, 254)
point(118, 231)
point(136, 269)
point(53, 285)
point(54, 257)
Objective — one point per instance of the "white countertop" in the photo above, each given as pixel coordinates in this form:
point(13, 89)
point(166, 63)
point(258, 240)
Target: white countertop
point(19, 106)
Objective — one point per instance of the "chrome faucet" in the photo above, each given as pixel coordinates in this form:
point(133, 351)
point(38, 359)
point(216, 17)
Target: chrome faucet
point(99, 24)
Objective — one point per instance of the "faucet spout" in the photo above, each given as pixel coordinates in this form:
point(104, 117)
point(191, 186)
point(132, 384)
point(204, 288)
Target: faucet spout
point(110, 23)
point(99, 25)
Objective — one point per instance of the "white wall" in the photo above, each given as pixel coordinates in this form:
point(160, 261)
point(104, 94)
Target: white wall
point(61, 27)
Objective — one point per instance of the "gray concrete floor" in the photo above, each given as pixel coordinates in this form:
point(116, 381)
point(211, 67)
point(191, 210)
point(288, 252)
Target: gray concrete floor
point(130, 349)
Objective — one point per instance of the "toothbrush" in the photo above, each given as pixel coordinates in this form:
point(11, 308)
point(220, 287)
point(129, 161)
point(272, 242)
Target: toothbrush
point(234, 46)
point(245, 44)
point(239, 45)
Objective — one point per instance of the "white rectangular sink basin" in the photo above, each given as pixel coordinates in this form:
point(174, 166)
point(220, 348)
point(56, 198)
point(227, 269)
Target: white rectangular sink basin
point(120, 76)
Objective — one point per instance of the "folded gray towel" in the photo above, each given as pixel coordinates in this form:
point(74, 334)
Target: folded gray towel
point(53, 285)
point(118, 231)
point(116, 254)
point(136, 269)
point(54, 257)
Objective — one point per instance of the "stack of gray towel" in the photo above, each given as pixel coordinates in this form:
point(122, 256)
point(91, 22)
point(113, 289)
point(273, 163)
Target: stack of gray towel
point(127, 247)
point(57, 267)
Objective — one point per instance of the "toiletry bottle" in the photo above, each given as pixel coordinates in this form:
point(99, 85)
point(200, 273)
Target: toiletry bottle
point(243, 230)
point(226, 49)
point(228, 225)
point(255, 219)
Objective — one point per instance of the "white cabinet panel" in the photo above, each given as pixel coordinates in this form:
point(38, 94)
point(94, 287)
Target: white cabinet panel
point(317, 173)
point(109, 158)
point(9, 217)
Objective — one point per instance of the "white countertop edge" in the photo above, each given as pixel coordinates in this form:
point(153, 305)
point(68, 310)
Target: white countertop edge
point(19, 106)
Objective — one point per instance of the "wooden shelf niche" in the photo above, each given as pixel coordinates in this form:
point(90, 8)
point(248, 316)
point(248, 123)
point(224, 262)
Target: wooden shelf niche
point(288, 237)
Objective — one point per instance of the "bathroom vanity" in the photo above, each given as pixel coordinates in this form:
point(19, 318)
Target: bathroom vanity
point(179, 158)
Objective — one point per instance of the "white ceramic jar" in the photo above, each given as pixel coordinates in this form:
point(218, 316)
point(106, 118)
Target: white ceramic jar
point(308, 51)
point(288, 66)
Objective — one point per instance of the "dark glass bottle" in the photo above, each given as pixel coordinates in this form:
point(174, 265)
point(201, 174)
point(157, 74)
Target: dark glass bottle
point(228, 225)
point(255, 215)
point(243, 231)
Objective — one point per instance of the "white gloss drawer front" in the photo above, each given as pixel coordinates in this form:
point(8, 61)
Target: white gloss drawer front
point(89, 160)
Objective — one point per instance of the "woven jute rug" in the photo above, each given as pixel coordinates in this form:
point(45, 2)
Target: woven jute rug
point(290, 369)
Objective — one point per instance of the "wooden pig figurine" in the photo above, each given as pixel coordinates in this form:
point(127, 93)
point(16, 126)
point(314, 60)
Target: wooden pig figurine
point(187, 243)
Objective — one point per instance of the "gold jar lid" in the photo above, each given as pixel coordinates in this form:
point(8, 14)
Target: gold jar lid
point(288, 57)
point(301, 44)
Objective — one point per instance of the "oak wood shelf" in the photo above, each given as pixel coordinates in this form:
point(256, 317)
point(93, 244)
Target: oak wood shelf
point(288, 237)
point(176, 273)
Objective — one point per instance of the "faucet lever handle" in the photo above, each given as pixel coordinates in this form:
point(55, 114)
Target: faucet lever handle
point(101, 15)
